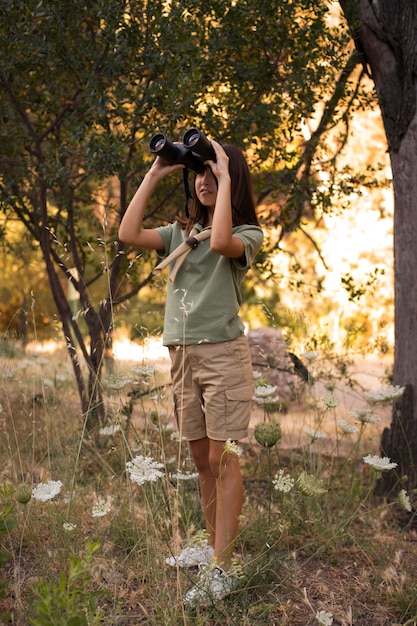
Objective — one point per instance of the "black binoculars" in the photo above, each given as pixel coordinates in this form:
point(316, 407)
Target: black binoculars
point(194, 150)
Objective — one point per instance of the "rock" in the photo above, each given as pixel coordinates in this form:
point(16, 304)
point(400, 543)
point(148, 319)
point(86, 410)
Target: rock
point(271, 358)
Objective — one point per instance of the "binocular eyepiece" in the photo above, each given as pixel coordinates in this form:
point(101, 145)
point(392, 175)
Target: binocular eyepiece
point(192, 152)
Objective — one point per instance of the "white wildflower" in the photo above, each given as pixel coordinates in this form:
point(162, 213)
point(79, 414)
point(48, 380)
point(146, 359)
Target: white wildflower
point(116, 384)
point(331, 401)
point(175, 436)
point(257, 375)
point(47, 491)
point(315, 434)
point(69, 527)
point(144, 469)
point(347, 429)
point(310, 356)
point(183, 476)
point(231, 447)
point(324, 618)
point(264, 391)
point(110, 430)
point(101, 507)
point(266, 401)
point(310, 485)
point(404, 501)
point(384, 394)
point(380, 464)
point(364, 416)
point(144, 370)
point(283, 482)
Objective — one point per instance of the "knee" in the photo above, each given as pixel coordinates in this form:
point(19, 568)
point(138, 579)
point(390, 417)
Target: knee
point(202, 463)
point(200, 454)
point(216, 461)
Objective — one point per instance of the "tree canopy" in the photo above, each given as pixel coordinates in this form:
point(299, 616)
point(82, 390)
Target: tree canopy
point(83, 86)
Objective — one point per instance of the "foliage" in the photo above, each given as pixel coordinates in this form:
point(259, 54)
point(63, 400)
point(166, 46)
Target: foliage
point(70, 602)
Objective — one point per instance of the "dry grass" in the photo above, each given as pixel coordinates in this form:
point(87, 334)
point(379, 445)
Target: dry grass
point(344, 552)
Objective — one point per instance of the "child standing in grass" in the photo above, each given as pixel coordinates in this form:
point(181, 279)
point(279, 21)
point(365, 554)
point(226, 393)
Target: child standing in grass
point(210, 360)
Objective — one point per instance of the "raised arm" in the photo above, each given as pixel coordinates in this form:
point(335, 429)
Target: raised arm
point(131, 230)
point(222, 239)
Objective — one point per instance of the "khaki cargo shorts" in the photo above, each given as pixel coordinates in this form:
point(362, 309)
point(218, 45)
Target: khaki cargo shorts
point(213, 389)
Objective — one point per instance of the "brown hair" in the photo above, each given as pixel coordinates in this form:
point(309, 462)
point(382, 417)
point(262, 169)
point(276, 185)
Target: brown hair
point(243, 203)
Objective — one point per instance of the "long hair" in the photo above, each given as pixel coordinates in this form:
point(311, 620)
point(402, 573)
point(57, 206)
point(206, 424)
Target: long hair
point(243, 203)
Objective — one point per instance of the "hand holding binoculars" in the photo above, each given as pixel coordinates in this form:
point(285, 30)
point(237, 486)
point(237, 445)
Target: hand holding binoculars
point(192, 152)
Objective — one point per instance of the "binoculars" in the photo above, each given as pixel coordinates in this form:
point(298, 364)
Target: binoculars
point(194, 150)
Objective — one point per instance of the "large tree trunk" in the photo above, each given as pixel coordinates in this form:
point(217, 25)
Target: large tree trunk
point(385, 32)
point(400, 441)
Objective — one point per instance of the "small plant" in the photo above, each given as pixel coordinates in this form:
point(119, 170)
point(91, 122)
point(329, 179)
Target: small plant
point(70, 602)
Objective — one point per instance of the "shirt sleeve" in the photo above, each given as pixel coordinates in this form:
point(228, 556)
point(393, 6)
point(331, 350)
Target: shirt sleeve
point(166, 233)
point(252, 237)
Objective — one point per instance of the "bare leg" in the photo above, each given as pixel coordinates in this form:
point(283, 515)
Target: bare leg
point(221, 493)
point(229, 500)
point(200, 450)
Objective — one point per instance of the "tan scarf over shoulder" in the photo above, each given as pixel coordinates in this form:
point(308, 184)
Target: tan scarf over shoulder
point(179, 254)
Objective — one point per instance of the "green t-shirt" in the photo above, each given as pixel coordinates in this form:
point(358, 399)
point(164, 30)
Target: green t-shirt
point(202, 305)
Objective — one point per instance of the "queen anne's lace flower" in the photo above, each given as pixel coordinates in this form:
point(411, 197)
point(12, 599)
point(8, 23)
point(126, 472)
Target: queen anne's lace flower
point(380, 464)
point(310, 485)
point(271, 402)
point(364, 416)
point(315, 434)
point(331, 401)
point(404, 500)
point(118, 383)
point(47, 491)
point(347, 429)
point(310, 356)
point(384, 394)
point(184, 476)
point(144, 469)
point(69, 527)
point(283, 482)
point(144, 370)
point(231, 447)
point(324, 618)
point(264, 391)
point(101, 507)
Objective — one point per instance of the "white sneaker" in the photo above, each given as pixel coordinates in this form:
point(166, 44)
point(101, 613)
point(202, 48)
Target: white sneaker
point(213, 585)
point(192, 556)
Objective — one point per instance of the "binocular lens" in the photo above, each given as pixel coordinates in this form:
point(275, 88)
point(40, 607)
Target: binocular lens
point(191, 139)
point(157, 142)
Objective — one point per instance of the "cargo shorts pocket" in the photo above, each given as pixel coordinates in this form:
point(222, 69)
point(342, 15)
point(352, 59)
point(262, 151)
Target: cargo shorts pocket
point(238, 406)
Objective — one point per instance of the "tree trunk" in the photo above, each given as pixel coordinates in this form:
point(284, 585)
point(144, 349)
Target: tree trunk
point(400, 441)
point(385, 32)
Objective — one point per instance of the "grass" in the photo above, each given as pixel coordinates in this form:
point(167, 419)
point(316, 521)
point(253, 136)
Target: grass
point(95, 552)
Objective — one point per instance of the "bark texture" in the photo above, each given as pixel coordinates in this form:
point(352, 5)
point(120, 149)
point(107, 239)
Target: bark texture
point(385, 32)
